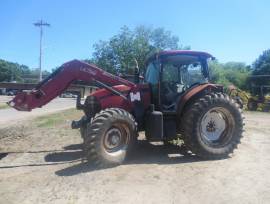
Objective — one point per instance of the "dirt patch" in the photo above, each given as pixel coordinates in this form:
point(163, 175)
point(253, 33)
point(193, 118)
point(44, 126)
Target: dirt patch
point(44, 164)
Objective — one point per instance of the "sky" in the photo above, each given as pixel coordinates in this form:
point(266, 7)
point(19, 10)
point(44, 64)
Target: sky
point(231, 30)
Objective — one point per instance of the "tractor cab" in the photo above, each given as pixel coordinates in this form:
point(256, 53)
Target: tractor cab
point(170, 74)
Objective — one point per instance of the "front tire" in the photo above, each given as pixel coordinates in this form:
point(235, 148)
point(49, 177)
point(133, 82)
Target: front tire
point(109, 137)
point(212, 126)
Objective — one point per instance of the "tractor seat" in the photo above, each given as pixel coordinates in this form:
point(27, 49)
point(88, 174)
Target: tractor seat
point(170, 103)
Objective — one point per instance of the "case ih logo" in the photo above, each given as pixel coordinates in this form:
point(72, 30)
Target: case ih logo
point(88, 70)
point(135, 96)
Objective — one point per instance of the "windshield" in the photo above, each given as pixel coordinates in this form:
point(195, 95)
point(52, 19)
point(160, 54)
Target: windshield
point(192, 74)
point(179, 69)
point(183, 70)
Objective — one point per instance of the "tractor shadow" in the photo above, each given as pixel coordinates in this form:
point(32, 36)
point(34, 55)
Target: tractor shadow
point(69, 154)
point(145, 153)
point(72, 153)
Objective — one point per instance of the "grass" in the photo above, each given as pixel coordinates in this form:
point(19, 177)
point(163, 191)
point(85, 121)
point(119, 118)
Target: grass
point(4, 106)
point(56, 119)
point(58, 122)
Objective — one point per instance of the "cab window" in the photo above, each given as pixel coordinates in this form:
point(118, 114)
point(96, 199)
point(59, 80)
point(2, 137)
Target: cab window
point(152, 73)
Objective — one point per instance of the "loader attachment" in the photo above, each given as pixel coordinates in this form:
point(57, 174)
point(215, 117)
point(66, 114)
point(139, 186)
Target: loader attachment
point(58, 82)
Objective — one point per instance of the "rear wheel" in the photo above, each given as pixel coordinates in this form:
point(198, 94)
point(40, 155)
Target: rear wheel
point(212, 126)
point(109, 137)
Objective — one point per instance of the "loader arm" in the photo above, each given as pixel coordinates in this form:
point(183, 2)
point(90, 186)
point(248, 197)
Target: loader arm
point(58, 82)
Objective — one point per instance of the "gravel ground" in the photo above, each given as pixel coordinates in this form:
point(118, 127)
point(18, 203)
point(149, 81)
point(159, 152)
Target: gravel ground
point(43, 164)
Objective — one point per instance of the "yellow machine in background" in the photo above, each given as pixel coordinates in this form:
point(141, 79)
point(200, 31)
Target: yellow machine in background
point(258, 99)
point(241, 97)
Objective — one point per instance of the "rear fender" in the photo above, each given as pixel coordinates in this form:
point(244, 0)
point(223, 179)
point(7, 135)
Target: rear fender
point(194, 93)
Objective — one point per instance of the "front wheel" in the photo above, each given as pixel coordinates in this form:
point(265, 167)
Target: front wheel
point(109, 137)
point(212, 126)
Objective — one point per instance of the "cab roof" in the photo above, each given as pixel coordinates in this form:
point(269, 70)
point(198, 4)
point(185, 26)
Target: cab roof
point(179, 52)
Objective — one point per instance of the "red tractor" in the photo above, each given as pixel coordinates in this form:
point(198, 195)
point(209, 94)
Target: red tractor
point(174, 100)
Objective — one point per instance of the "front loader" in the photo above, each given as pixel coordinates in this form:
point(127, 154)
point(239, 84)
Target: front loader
point(175, 99)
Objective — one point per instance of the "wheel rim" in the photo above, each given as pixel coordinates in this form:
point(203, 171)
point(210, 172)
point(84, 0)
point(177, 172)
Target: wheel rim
point(217, 126)
point(116, 138)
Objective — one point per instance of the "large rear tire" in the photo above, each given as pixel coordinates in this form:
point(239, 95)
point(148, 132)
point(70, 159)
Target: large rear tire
point(109, 137)
point(212, 126)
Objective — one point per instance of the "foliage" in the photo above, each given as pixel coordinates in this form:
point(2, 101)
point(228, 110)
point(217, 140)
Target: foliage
point(235, 73)
point(121, 50)
point(261, 66)
point(10, 71)
point(118, 54)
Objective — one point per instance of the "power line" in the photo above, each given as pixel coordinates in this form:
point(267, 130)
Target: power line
point(40, 24)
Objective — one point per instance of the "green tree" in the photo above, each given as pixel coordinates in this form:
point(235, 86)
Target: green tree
point(10, 71)
point(121, 50)
point(261, 66)
point(235, 73)
point(217, 73)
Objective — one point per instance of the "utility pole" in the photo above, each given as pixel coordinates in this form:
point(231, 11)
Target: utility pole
point(40, 24)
